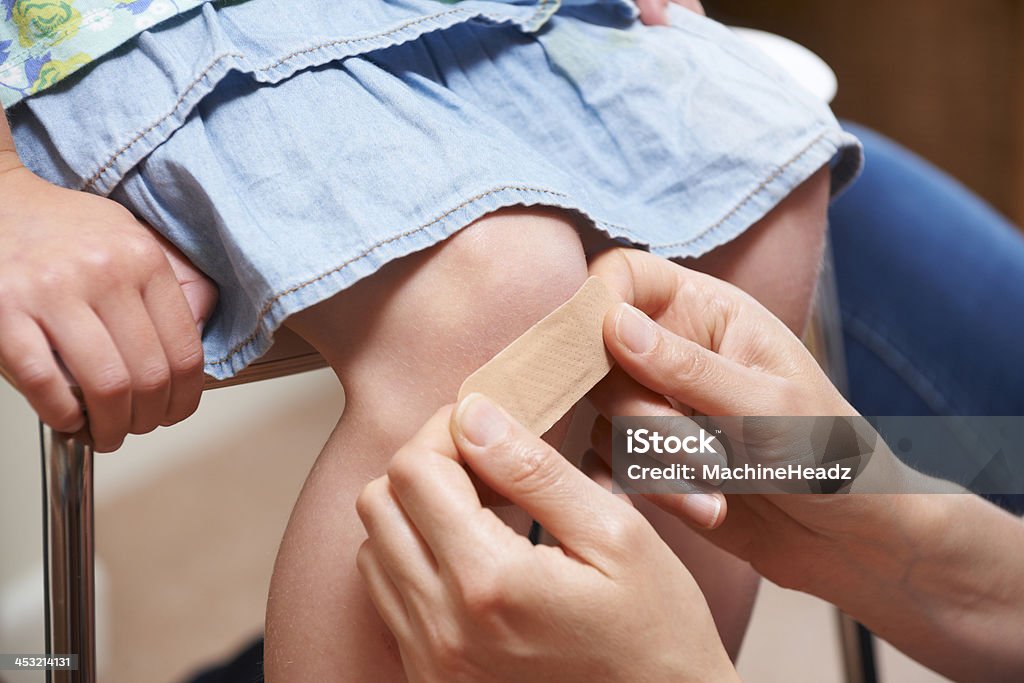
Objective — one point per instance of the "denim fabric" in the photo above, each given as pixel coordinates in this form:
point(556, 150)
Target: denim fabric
point(292, 153)
point(931, 287)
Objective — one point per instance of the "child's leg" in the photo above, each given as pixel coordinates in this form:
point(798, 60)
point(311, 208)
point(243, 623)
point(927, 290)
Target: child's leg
point(402, 342)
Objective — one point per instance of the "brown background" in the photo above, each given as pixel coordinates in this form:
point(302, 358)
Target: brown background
point(943, 77)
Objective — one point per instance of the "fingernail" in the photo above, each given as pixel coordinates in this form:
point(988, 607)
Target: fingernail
point(200, 324)
point(635, 330)
point(480, 421)
point(703, 508)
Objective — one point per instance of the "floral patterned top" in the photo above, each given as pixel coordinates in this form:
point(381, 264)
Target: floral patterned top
point(43, 41)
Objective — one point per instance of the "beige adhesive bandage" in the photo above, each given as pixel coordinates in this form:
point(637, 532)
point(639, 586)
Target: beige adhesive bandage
point(542, 374)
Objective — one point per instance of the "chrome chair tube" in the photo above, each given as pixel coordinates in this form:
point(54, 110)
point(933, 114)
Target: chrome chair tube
point(68, 554)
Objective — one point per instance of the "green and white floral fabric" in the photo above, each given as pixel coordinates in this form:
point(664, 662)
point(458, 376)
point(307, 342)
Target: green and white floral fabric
point(43, 41)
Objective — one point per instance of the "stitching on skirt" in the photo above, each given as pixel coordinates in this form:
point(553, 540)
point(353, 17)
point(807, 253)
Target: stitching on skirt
point(377, 36)
point(753, 193)
point(267, 306)
point(145, 131)
point(92, 180)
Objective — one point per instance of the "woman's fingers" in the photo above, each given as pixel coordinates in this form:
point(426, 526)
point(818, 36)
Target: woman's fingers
point(619, 394)
point(397, 544)
point(383, 591)
point(648, 282)
point(682, 369)
point(85, 346)
point(704, 508)
point(434, 488)
point(28, 361)
point(588, 522)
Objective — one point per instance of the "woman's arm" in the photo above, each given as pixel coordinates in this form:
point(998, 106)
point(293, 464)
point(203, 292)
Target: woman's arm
point(941, 576)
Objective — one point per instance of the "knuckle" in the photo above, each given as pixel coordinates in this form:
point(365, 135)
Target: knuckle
point(624, 529)
point(447, 644)
point(789, 399)
point(144, 252)
point(369, 498)
point(402, 468)
point(153, 378)
point(487, 594)
point(187, 363)
point(102, 260)
point(364, 558)
point(111, 382)
point(33, 376)
point(11, 289)
point(689, 364)
point(532, 469)
point(53, 280)
point(64, 419)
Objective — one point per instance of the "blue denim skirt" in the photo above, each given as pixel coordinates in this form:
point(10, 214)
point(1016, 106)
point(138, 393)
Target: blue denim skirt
point(292, 149)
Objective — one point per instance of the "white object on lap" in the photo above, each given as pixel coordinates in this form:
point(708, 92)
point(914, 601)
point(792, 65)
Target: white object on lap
point(806, 68)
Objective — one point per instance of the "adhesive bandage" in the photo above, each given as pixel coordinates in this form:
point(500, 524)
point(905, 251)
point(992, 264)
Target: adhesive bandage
point(542, 374)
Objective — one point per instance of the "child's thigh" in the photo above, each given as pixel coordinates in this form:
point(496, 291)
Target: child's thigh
point(777, 260)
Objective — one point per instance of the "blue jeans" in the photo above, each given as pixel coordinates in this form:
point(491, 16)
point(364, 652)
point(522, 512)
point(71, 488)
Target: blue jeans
point(931, 288)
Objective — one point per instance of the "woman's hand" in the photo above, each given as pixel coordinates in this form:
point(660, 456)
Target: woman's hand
point(686, 342)
point(471, 600)
point(654, 12)
point(81, 279)
point(939, 576)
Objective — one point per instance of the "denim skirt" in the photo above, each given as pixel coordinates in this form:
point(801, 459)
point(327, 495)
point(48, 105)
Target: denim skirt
point(292, 149)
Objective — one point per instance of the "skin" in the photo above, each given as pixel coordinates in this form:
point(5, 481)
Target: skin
point(654, 12)
point(472, 601)
point(418, 336)
point(936, 575)
point(401, 342)
point(81, 278)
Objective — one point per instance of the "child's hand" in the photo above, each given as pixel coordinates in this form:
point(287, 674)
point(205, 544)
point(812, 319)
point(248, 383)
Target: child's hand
point(652, 12)
point(82, 279)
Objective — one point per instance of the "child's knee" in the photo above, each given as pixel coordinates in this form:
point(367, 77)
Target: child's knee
point(423, 323)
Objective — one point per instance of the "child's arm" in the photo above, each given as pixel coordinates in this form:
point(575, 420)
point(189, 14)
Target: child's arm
point(81, 279)
point(8, 156)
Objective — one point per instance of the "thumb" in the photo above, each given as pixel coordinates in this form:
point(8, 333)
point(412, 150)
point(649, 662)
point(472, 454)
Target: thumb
point(200, 292)
point(589, 522)
point(682, 369)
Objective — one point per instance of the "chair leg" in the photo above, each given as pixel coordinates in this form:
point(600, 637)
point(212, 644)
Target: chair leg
point(858, 650)
point(68, 554)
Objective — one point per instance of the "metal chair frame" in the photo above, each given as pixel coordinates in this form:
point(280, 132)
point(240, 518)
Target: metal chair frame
point(68, 532)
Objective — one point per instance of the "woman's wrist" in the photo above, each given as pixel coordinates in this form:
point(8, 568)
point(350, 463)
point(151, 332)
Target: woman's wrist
point(935, 579)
